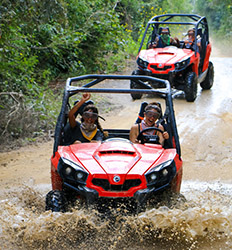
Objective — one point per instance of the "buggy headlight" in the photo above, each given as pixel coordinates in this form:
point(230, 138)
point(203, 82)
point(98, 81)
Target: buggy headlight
point(142, 62)
point(79, 175)
point(69, 170)
point(153, 176)
point(165, 172)
point(161, 174)
point(182, 64)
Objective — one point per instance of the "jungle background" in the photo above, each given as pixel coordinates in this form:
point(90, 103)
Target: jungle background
point(44, 42)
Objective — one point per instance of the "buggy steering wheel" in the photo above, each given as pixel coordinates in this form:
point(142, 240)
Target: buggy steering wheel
point(149, 138)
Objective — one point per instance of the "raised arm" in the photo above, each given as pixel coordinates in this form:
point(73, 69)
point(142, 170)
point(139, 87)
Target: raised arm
point(71, 114)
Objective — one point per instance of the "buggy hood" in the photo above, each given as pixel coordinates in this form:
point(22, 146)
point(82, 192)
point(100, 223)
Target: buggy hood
point(168, 55)
point(118, 157)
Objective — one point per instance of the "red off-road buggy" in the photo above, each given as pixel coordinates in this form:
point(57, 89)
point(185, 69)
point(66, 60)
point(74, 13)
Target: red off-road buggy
point(184, 67)
point(115, 171)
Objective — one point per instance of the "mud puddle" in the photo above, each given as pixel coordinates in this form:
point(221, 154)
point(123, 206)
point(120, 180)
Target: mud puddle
point(203, 222)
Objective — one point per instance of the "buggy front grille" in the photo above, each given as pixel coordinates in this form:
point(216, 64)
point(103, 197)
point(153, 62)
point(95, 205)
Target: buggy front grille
point(104, 183)
point(153, 66)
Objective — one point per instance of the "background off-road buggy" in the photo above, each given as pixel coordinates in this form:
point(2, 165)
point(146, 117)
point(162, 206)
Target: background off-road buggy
point(184, 68)
point(114, 171)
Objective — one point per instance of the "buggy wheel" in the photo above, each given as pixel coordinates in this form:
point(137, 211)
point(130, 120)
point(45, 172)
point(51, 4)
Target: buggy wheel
point(190, 87)
point(135, 85)
point(208, 82)
point(55, 201)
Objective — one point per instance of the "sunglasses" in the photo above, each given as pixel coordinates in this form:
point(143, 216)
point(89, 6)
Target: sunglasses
point(91, 115)
point(153, 114)
point(191, 34)
point(164, 32)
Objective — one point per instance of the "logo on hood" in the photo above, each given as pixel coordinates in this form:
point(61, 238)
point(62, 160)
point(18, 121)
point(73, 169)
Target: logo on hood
point(116, 178)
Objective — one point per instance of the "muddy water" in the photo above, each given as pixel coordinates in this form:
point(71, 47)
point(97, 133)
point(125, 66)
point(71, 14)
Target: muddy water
point(203, 222)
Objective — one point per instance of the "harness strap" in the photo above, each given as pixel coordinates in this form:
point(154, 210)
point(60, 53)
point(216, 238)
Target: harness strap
point(140, 117)
point(140, 128)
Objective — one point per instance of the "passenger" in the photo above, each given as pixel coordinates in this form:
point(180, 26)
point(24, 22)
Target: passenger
point(151, 116)
point(89, 130)
point(189, 42)
point(165, 40)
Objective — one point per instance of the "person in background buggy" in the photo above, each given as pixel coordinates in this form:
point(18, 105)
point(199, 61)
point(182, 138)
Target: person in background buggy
point(164, 39)
point(188, 43)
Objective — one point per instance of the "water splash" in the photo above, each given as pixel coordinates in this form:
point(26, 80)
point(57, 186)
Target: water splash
point(205, 220)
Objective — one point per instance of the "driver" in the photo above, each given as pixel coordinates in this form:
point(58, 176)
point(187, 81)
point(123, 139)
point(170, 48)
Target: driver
point(151, 115)
point(165, 39)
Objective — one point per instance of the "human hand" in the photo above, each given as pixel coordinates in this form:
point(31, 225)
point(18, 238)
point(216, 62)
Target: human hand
point(188, 41)
point(177, 41)
point(77, 142)
point(86, 96)
point(165, 135)
point(152, 45)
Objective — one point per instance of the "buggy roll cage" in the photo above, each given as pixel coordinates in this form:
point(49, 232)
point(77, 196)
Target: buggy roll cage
point(71, 90)
point(195, 20)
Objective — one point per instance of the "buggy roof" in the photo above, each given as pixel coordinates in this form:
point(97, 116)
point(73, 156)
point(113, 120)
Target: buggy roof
point(96, 79)
point(188, 19)
point(191, 19)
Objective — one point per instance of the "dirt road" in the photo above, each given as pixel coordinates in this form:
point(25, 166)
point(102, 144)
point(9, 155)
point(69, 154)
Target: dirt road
point(206, 142)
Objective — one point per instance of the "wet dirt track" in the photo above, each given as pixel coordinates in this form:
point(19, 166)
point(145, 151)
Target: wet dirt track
point(203, 222)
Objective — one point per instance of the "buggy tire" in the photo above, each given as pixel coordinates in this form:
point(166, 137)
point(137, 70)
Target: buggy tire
point(190, 87)
point(55, 201)
point(208, 82)
point(135, 85)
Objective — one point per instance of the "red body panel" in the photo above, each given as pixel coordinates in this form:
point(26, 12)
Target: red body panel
point(176, 184)
point(207, 55)
point(168, 56)
point(55, 178)
point(195, 60)
point(104, 161)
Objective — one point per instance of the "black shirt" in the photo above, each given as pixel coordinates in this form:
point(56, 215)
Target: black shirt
point(74, 134)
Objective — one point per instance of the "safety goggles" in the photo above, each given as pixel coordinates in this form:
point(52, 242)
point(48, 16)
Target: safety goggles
point(153, 114)
point(91, 115)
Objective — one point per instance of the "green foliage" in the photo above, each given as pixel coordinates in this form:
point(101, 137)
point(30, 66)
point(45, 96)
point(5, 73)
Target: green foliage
point(219, 14)
point(134, 14)
point(72, 36)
